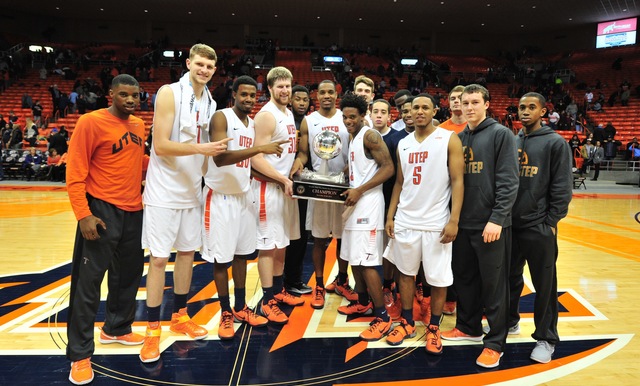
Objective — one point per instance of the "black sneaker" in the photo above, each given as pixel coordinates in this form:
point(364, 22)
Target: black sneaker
point(298, 288)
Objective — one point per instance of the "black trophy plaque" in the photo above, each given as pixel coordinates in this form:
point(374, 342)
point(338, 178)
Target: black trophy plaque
point(322, 185)
point(317, 190)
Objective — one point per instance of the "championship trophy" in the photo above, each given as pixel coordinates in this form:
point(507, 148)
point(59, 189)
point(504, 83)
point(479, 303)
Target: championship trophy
point(322, 185)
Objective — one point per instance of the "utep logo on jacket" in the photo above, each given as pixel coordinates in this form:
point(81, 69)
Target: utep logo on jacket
point(525, 169)
point(127, 138)
point(471, 166)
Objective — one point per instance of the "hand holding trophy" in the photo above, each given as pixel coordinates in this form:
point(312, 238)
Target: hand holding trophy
point(322, 185)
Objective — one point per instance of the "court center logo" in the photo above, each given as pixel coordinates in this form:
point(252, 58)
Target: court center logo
point(317, 347)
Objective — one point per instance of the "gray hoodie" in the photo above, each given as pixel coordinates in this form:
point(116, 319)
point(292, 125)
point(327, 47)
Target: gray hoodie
point(490, 176)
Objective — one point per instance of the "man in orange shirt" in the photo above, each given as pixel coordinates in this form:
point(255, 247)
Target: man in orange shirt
point(104, 175)
point(457, 122)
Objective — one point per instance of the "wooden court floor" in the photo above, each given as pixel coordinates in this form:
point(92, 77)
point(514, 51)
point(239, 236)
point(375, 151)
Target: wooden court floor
point(599, 288)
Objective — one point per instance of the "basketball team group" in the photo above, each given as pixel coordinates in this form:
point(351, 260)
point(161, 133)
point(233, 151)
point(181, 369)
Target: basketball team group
point(436, 218)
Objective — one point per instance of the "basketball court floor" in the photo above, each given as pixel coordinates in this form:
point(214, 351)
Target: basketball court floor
point(598, 288)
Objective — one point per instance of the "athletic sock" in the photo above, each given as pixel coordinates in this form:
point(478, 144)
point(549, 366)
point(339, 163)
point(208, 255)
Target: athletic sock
point(179, 302)
point(381, 312)
point(153, 314)
point(408, 316)
point(435, 319)
point(363, 298)
point(239, 298)
point(387, 284)
point(267, 294)
point(277, 284)
point(225, 304)
point(342, 278)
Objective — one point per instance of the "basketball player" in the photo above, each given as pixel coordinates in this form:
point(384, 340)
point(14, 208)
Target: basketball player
point(173, 192)
point(277, 211)
point(229, 216)
point(369, 166)
point(297, 249)
point(324, 219)
point(380, 115)
point(419, 222)
point(422, 298)
point(108, 207)
point(483, 244)
point(544, 194)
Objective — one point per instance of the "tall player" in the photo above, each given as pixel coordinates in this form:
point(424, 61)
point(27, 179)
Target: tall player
point(369, 166)
point(419, 221)
point(277, 211)
point(229, 208)
point(173, 192)
point(297, 249)
point(324, 219)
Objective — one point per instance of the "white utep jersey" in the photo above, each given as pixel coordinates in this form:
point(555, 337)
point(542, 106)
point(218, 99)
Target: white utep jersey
point(285, 131)
point(316, 124)
point(426, 190)
point(368, 213)
point(236, 178)
point(175, 182)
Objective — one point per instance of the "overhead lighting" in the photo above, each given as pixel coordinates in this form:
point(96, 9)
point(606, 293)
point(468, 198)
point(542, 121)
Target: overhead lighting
point(442, 22)
point(146, 11)
point(275, 15)
point(360, 19)
point(401, 20)
point(521, 25)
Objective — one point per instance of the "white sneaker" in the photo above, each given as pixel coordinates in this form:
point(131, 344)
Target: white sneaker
point(515, 330)
point(542, 352)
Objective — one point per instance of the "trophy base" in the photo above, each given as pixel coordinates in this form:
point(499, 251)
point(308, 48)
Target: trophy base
point(318, 190)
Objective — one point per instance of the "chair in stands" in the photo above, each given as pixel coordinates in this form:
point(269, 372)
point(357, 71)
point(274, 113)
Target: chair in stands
point(578, 182)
